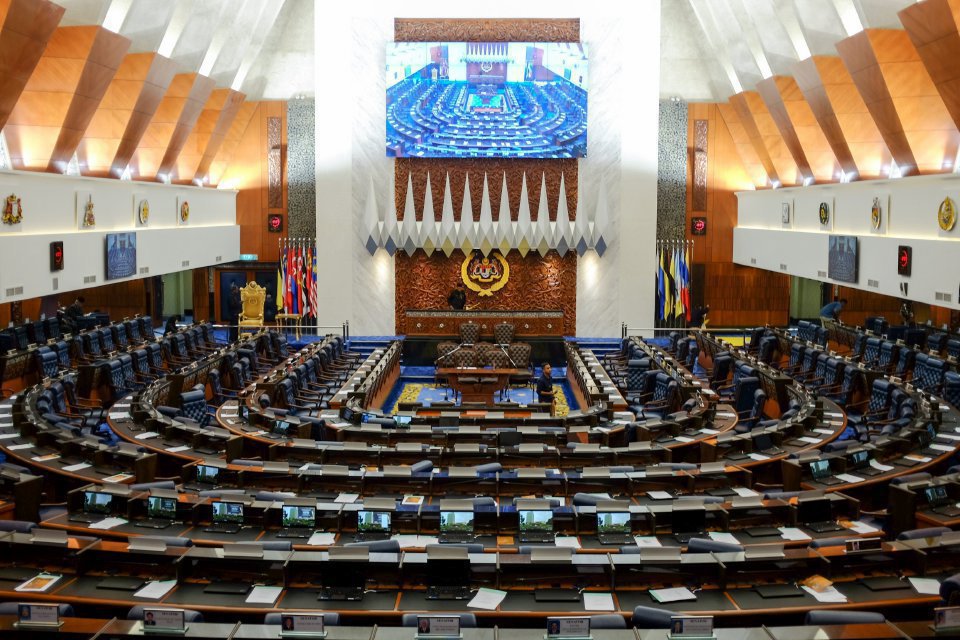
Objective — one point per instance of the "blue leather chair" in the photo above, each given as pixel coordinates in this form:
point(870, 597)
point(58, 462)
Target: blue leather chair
point(821, 617)
point(707, 545)
point(650, 618)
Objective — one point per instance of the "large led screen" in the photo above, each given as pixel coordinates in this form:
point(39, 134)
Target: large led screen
point(842, 259)
point(487, 99)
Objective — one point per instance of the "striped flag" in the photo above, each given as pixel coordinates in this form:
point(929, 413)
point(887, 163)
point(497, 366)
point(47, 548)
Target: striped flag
point(313, 286)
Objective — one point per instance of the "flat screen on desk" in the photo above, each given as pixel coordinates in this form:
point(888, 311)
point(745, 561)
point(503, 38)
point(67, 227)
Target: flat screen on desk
point(486, 99)
point(158, 507)
point(378, 521)
point(298, 516)
point(820, 469)
point(121, 255)
point(936, 495)
point(689, 520)
point(403, 420)
point(228, 512)
point(536, 520)
point(456, 521)
point(842, 260)
point(816, 510)
point(96, 502)
point(281, 428)
point(207, 474)
point(613, 522)
point(860, 459)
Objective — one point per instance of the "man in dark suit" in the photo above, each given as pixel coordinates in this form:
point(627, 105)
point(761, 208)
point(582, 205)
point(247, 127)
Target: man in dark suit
point(234, 306)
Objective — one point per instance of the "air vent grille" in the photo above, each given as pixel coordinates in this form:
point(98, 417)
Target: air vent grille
point(821, 274)
point(944, 297)
point(56, 284)
point(14, 291)
point(144, 270)
point(185, 263)
point(89, 279)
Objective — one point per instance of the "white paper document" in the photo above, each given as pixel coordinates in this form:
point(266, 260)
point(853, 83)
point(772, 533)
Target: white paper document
point(121, 415)
point(567, 541)
point(723, 536)
point(488, 599)
point(757, 456)
point(828, 595)
point(321, 539)
point(8, 436)
point(155, 589)
point(80, 466)
point(744, 492)
point(676, 594)
point(147, 435)
point(108, 523)
point(826, 432)
point(926, 586)
point(849, 477)
point(941, 447)
point(593, 601)
point(185, 447)
point(810, 439)
point(263, 595)
point(879, 466)
point(16, 447)
point(862, 527)
point(792, 533)
point(647, 542)
point(414, 541)
point(347, 498)
point(682, 439)
point(659, 495)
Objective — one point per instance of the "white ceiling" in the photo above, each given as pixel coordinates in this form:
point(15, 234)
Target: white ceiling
point(710, 49)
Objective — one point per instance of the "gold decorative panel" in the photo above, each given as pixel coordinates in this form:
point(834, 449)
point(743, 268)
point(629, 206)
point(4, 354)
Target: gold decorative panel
point(486, 30)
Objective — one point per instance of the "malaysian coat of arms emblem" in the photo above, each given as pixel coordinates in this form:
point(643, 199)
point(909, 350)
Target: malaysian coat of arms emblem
point(824, 213)
point(89, 217)
point(947, 214)
point(485, 274)
point(876, 213)
point(12, 210)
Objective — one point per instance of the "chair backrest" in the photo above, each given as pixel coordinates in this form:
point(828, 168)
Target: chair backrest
point(820, 617)
point(464, 358)
point(503, 333)
point(706, 545)
point(651, 618)
point(13, 608)
point(469, 332)
point(47, 361)
point(953, 348)
point(252, 298)
point(193, 404)
point(928, 374)
point(936, 341)
point(635, 373)
point(879, 396)
point(608, 621)
point(951, 388)
point(520, 353)
point(743, 396)
point(888, 354)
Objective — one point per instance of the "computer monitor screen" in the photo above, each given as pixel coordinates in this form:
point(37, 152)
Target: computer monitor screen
point(368, 417)
point(486, 99)
point(347, 414)
point(207, 474)
point(762, 442)
point(936, 495)
point(373, 521)
point(456, 521)
point(298, 516)
point(96, 502)
point(817, 510)
point(158, 507)
point(448, 573)
point(613, 522)
point(860, 459)
point(689, 520)
point(281, 428)
point(820, 469)
point(449, 421)
point(403, 420)
point(536, 520)
point(228, 512)
point(931, 431)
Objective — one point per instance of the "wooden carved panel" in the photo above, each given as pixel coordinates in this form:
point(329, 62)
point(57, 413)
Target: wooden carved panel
point(486, 30)
point(700, 165)
point(476, 168)
point(536, 284)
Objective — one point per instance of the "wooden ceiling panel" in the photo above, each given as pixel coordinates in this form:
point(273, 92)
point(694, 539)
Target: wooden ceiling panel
point(932, 27)
point(199, 94)
point(928, 21)
point(785, 166)
point(742, 114)
point(56, 75)
point(231, 140)
point(230, 109)
point(817, 96)
point(772, 90)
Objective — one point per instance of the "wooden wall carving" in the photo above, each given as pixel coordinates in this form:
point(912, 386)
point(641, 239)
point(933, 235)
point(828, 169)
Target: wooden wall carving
point(486, 30)
point(460, 168)
point(536, 284)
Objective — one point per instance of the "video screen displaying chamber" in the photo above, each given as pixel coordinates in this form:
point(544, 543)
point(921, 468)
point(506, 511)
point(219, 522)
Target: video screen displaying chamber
point(486, 99)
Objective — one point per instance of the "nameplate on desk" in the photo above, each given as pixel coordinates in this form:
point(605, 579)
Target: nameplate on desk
point(763, 551)
point(438, 627)
point(691, 627)
point(462, 472)
point(49, 536)
point(862, 545)
point(568, 628)
point(164, 621)
point(146, 543)
point(531, 473)
point(241, 550)
point(660, 554)
point(360, 554)
point(303, 625)
point(397, 470)
point(551, 554)
point(950, 538)
point(38, 615)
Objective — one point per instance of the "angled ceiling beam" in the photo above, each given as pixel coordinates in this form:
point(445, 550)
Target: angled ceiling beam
point(745, 149)
point(25, 28)
point(933, 29)
point(811, 83)
point(62, 95)
point(101, 66)
point(214, 122)
point(124, 113)
point(224, 155)
point(766, 138)
point(193, 104)
point(902, 99)
point(774, 91)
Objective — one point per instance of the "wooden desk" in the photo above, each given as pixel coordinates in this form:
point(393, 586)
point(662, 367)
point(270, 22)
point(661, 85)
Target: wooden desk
point(475, 384)
point(433, 323)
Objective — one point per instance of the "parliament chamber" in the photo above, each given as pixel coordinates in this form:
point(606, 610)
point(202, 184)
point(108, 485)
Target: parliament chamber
point(427, 321)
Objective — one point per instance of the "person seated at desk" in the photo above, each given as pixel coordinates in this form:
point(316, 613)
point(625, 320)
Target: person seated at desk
point(171, 326)
point(74, 313)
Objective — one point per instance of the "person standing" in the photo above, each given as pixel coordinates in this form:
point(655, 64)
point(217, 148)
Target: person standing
point(234, 306)
point(699, 318)
point(75, 313)
point(171, 326)
point(545, 393)
point(832, 311)
point(457, 298)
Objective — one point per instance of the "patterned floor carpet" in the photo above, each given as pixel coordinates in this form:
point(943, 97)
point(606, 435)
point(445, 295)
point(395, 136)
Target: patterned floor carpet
point(427, 393)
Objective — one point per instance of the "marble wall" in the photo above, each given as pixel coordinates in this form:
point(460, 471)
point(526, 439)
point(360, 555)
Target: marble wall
point(672, 170)
point(301, 181)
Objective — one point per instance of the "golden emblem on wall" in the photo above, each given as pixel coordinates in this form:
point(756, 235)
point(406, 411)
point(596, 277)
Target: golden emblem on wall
point(947, 214)
point(89, 217)
point(12, 210)
point(824, 213)
point(143, 211)
point(184, 211)
point(875, 213)
point(485, 274)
